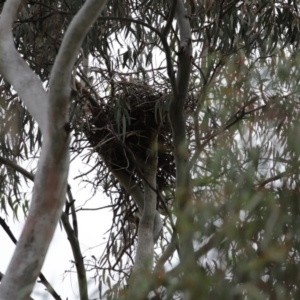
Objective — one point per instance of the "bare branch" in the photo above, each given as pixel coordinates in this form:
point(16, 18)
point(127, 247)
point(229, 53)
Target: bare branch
point(274, 178)
point(16, 167)
point(7, 230)
point(73, 211)
point(170, 19)
point(81, 274)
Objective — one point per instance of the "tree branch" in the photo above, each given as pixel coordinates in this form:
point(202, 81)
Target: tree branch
point(170, 69)
point(61, 72)
point(15, 70)
point(176, 116)
point(43, 279)
point(167, 254)
point(71, 234)
point(16, 167)
point(2, 275)
point(137, 194)
point(170, 19)
point(73, 211)
point(274, 178)
point(50, 184)
point(145, 246)
point(79, 264)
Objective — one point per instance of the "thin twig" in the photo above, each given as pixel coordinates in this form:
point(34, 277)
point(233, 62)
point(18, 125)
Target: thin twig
point(72, 237)
point(43, 279)
point(274, 178)
point(73, 211)
point(164, 42)
point(170, 19)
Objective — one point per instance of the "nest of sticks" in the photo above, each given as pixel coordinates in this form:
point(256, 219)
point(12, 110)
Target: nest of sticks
point(121, 129)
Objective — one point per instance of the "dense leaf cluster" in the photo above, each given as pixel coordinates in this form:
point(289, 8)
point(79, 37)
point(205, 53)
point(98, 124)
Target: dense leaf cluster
point(243, 129)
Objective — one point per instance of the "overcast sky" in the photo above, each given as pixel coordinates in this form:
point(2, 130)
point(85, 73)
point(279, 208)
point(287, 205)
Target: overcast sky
point(92, 227)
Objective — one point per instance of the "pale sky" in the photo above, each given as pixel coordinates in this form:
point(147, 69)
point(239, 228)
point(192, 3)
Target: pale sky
point(92, 226)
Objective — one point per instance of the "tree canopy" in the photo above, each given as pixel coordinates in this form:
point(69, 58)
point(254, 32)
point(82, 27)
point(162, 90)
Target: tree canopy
point(188, 114)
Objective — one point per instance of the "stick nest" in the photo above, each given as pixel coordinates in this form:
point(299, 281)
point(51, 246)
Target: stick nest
point(122, 127)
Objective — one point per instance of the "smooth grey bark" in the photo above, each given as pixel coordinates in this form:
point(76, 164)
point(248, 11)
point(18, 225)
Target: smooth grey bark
point(145, 246)
point(51, 112)
point(72, 237)
point(42, 278)
point(176, 116)
point(138, 197)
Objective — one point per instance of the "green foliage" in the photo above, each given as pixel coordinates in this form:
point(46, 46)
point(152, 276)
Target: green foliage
point(122, 116)
point(242, 119)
